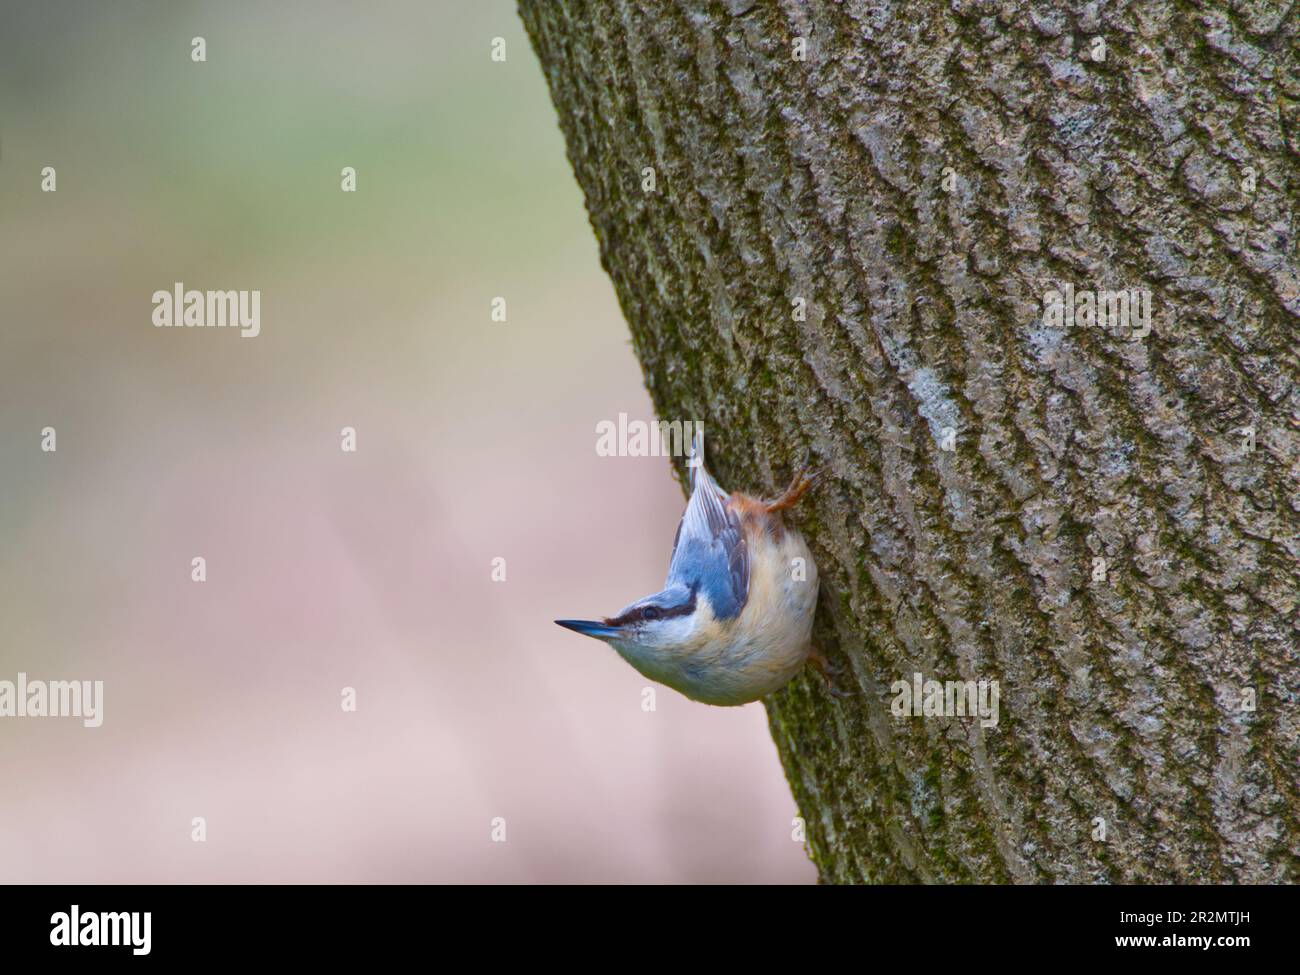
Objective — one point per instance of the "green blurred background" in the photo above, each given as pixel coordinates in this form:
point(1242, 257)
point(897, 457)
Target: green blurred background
point(476, 440)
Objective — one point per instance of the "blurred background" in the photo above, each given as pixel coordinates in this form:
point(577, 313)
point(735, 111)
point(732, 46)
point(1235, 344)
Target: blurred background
point(325, 569)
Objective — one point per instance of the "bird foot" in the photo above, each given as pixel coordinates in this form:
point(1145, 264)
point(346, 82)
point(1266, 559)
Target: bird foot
point(802, 483)
point(828, 672)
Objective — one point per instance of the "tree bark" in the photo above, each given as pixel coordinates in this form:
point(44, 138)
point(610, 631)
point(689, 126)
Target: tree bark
point(918, 184)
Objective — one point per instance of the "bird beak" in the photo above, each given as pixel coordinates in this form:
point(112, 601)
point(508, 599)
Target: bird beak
point(590, 628)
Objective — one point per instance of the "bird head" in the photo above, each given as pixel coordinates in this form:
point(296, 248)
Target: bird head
point(660, 622)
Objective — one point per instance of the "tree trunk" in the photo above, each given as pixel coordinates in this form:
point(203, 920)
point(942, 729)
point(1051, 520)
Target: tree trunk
point(846, 259)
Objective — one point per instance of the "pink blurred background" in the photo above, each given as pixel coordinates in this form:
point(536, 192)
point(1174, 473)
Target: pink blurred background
point(327, 569)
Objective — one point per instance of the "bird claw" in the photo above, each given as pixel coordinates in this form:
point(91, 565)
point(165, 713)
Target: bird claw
point(828, 672)
point(803, 482)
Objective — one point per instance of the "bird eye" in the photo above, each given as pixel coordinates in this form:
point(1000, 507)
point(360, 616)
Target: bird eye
point(650, 613)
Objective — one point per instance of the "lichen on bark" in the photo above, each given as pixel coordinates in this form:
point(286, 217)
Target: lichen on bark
point(917, 183)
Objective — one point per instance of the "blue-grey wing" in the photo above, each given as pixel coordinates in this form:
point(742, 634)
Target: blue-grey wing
point(709, 554)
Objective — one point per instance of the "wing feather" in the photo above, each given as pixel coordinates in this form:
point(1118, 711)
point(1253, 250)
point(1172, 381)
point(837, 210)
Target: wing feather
point(709, 553)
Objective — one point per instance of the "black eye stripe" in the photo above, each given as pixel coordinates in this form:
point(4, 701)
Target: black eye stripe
point(638, 614)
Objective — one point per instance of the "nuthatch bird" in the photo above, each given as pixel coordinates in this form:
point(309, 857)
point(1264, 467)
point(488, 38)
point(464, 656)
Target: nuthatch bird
point(732, 623)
